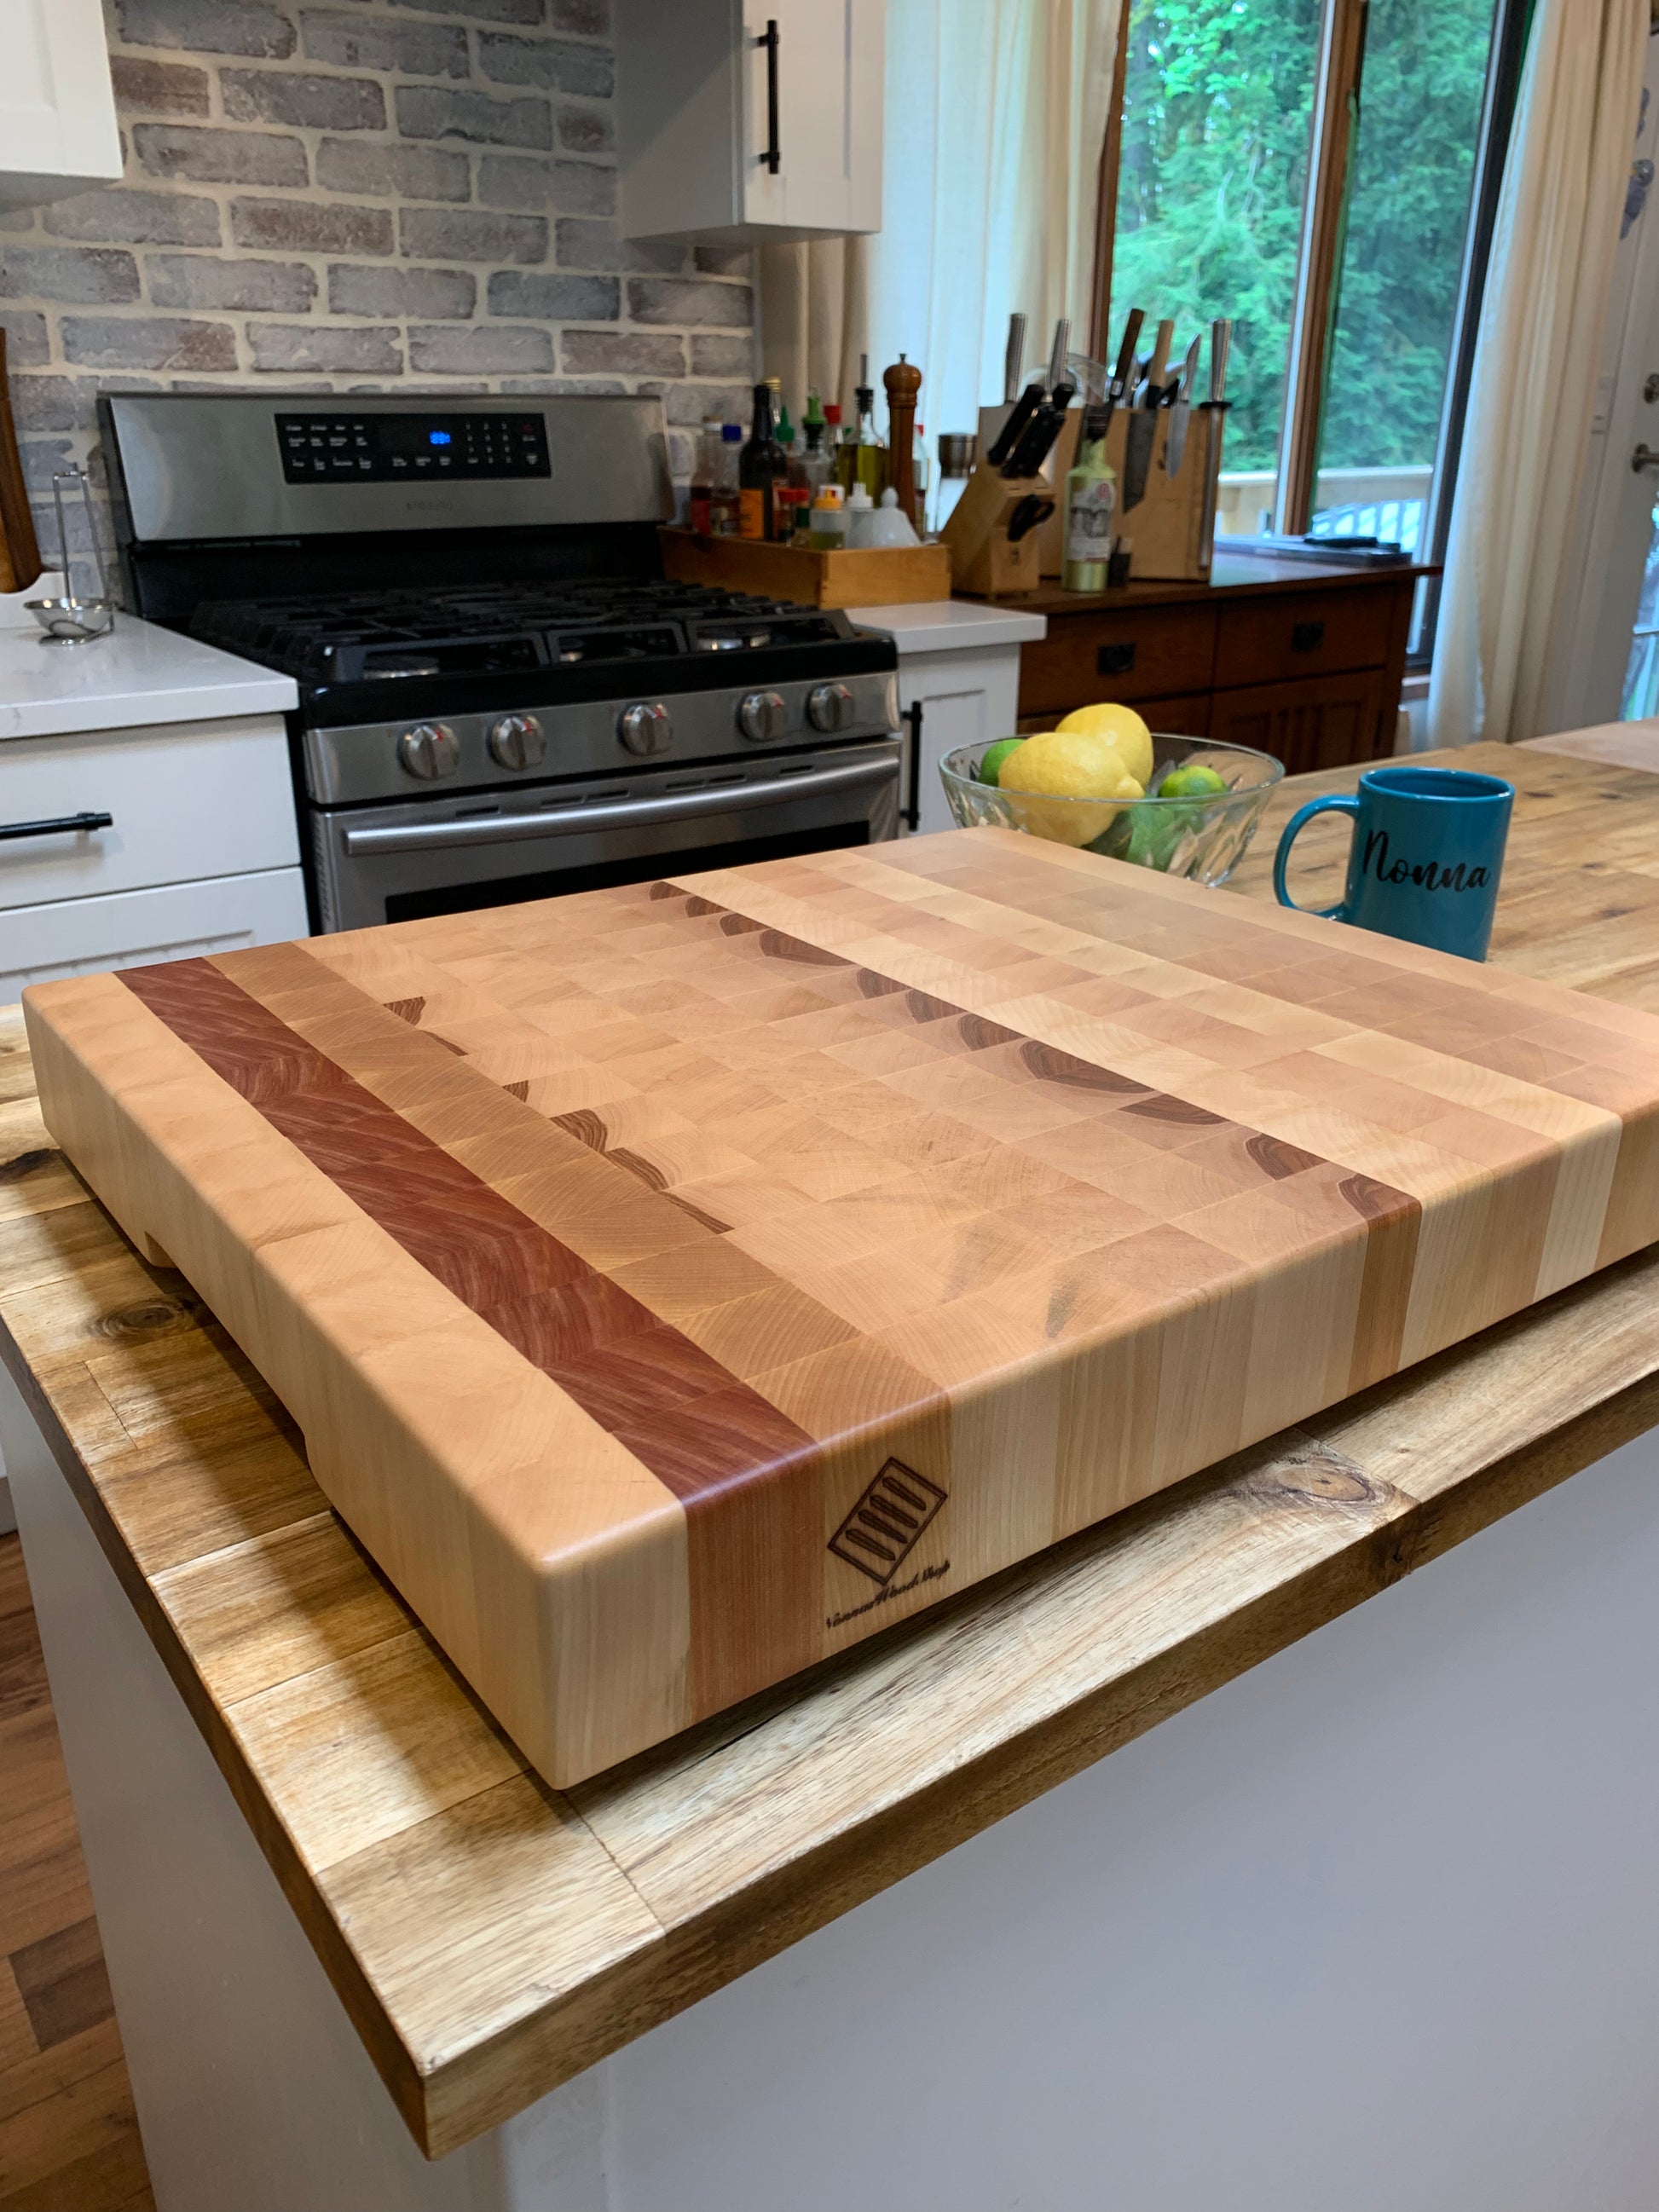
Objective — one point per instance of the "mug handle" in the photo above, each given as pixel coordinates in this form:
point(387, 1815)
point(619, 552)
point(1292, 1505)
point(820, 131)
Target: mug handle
point(1332, 802)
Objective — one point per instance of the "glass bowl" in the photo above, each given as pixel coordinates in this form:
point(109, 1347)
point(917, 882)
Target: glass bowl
point(1202, 838)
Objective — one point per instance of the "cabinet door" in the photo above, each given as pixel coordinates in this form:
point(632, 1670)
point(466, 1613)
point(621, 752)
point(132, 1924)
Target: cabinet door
point(1326, 723)
point(57, 131)
point(178, 922)
point(966, 699)
point(816, 66)
point(1128, 654)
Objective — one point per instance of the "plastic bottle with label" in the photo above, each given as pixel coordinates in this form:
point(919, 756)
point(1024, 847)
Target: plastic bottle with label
point(723, 497)
point(705, 469)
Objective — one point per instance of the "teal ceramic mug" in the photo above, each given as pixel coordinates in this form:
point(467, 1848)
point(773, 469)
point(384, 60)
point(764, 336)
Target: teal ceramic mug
point(1427, 852)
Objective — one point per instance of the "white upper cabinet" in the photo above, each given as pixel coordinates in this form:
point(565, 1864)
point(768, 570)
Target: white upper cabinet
point(755, 120)
point(57, 133)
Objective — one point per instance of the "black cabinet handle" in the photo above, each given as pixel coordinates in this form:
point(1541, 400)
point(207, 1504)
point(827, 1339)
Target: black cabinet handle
point(773, 157)
point(60, 825)
point(1116, 659)
point(1307, 637)
point(910, 816)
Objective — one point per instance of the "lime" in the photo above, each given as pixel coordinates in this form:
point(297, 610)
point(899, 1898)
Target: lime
point(1193, 781)
point(991, 760)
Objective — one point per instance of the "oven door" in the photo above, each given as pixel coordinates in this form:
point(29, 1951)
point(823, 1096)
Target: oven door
point(433, 856)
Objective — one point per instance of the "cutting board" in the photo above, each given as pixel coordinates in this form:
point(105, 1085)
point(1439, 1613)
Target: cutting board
point(676, 1284)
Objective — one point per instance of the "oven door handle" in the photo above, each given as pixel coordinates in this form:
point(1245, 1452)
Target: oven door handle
point(564, 820)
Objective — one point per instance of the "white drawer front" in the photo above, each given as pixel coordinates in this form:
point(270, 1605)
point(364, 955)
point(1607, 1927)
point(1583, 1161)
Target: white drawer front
point(182, 921)
point(189, 800)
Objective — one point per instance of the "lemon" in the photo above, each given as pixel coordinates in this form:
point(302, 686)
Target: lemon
point(1122, 728)
point(1067, 764)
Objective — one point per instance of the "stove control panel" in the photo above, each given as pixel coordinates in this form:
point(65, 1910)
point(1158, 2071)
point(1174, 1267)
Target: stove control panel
point(345, 447)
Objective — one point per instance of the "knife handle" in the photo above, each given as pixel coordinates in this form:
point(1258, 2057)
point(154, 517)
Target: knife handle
point(1221, 338)
point(1057, 358)
point(1125, 357)
point(1013, 429)
point(1159, 362)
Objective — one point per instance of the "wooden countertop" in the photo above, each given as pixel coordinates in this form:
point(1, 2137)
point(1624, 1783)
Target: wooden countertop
point(1239, 576)
point(490, 1937)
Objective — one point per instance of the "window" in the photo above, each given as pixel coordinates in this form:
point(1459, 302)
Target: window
point(1324, 171)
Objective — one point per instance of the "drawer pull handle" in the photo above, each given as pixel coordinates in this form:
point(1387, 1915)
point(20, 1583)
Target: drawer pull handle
point(1308, 637)
point(60, 825)
point(1116, 659)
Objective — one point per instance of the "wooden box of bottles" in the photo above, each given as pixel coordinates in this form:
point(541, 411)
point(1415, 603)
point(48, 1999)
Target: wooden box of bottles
point(861, 577)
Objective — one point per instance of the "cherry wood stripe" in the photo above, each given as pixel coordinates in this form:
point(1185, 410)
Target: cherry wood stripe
point(739, 1465)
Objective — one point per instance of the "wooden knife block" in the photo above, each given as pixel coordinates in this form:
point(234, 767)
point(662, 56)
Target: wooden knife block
point(983, 558)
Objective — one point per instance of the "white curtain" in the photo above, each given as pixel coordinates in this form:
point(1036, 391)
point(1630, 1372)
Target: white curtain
point(996, 118)
point(1535, 366)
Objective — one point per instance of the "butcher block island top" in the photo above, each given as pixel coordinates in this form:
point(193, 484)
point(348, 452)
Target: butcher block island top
point(675, 1284)
point(490, 1937)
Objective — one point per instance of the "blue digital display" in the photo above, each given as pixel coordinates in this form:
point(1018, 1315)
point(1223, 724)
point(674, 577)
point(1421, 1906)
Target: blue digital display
point(439, 438)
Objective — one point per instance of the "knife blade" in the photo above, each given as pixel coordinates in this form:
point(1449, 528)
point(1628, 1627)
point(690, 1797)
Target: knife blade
point(1057, 374)
point(1221, 338)
point(1142, 431)
point(1013, 359)
point(1181, 408)
point(1009, 436)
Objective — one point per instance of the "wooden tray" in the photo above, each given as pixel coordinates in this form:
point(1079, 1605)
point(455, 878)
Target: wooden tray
point(675, 1284)
point(867, 576)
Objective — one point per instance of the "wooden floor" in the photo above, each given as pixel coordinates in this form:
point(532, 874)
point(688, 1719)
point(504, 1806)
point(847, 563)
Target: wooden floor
point(69, 2140)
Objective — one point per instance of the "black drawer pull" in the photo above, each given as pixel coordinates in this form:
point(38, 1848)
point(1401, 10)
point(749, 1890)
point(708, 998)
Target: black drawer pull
point(772, 159)
point(59, 826)
point(1116, 659)
point(1308, 637)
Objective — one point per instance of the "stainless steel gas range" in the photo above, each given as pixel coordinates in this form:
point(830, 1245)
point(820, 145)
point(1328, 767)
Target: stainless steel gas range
point(500, 696)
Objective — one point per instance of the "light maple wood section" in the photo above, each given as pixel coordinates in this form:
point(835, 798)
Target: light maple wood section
point(858, 576)
point(1045, 1182)
point(503, 1936)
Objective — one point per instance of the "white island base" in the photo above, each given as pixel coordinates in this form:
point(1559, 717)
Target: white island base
point(1373, 1928)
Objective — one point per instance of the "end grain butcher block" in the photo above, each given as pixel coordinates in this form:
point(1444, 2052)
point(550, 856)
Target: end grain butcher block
point(675, 1284)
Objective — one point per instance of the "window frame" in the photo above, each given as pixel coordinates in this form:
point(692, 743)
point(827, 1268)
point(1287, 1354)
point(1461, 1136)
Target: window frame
point(1336, 113)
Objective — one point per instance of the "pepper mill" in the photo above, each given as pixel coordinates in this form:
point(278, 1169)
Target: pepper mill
point(902, 383)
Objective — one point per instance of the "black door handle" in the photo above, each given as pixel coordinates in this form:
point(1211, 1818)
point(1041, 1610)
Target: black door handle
point(59, 826)
point(910, 816)
point(773, 157)
point(1307, 637)
point(1116, 659)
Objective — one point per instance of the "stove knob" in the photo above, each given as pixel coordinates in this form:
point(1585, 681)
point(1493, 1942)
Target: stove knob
point(516, 741)
point(763, 715)
point(830, 707)
point(645, 729)
point(430, 751)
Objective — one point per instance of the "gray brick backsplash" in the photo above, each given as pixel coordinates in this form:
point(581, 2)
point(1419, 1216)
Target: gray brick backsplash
point(723, 356)
point(683, 300)
point(356, 196)
point(220, 157)
point(161, 87)
point(310, 103)
point(147, 342)
point(308, 226)
point(389, 171)
point(429, 294)
point(452, 234)
point(433, 111)
point(28, 344)
point(622, 353)
point(86, 275)
point(509, 180)
point(192, 279)
point(337, 349)
point(358, 41)
point(547, 63)
point(207, 26)
point(120, 217)
point(555, 299)
point(437, 350)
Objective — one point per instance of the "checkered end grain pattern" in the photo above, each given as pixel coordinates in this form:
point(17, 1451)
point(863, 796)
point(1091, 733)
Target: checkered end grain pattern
point(676, 1284)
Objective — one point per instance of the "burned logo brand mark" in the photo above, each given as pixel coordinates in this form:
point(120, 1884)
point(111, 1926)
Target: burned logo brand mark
point(887, 1523)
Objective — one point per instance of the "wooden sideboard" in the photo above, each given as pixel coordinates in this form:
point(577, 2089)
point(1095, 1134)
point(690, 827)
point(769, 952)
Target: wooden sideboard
point(1302, 658)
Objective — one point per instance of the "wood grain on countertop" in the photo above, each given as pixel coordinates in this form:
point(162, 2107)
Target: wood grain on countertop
point(503, 1935)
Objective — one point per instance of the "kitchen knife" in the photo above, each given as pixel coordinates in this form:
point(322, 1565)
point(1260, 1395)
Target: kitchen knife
point(1031, 513)
point(1141, 430)
point(1221, 338)
point(1221, 334)
point(997, 452)
point(1013, 361)
point(1119, 392)
point(1040, 434)
point(1181, 408)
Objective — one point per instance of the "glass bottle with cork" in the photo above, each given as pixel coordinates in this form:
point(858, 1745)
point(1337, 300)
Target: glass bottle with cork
point(762, 465)
point(863, 456)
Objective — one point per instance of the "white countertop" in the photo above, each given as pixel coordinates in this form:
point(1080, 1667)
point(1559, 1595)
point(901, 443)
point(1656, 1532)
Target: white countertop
point(951, 625)
point(137, 675)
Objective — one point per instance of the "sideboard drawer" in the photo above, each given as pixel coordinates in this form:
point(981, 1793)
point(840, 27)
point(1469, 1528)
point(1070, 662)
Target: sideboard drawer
point(166, 805)
point(1284, 638)
point(1143, 653)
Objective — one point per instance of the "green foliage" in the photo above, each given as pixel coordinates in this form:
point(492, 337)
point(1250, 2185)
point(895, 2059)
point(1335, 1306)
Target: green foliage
point(1217, 107)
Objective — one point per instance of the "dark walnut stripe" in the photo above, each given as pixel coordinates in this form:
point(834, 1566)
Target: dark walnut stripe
point(1393, 1218)
point(739, 1465)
